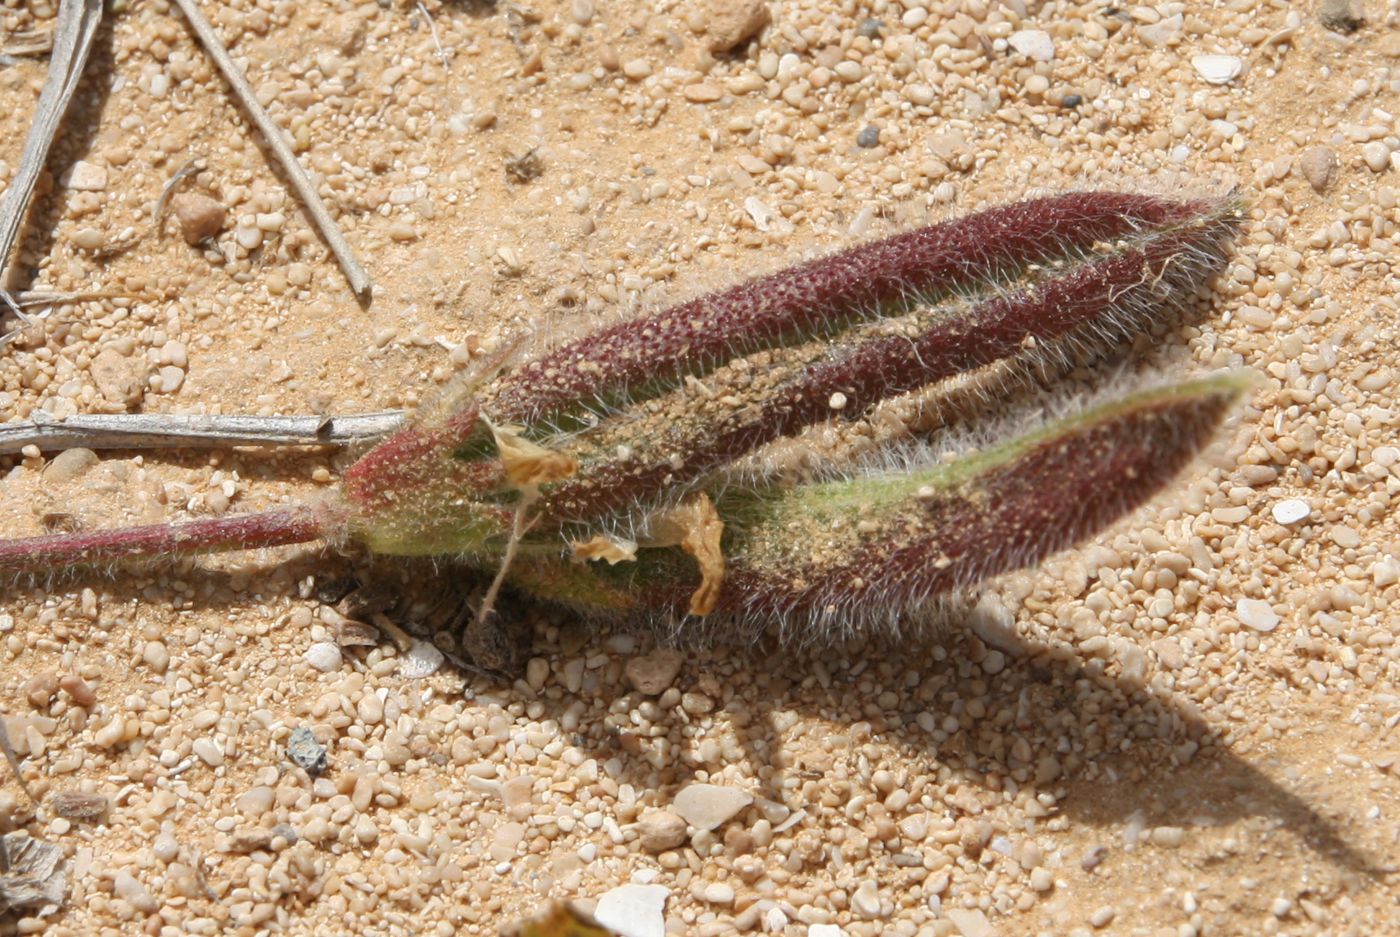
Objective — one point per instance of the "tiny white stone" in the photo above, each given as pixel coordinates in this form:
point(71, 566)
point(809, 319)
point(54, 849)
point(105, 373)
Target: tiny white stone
point(634, 910)
point(866, 900)
point(421, 660)
point(1377, 155)
point(1162, 31)
point(171, 378)
point(324, 656)
point(1386, 572)
point(719, 893)
point(759, 211)
point(1291, 511)
point(86, 177)
point(1256, 614)
point(970, 922)
point(706, 806)
point(208, 751)
point(1218, 69)
point(837, 401)
point(1033, 44)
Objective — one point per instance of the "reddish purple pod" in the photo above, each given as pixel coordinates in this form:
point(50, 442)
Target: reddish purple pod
point(614, 446)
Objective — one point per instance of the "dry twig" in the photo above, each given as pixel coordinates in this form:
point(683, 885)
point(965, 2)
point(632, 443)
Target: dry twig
point(305, 188)
point(72, 41)
point(168, 431)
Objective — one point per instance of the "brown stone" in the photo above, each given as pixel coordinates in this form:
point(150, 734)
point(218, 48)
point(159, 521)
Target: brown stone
point(731, 23)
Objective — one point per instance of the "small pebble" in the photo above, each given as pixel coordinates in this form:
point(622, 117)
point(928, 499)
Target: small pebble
point(156, 656)
point(707, 806)
point(660, 830)
point(324, 656)
point(366, 832)
point(718, 893)
point(869, 137)
point(1292, 511)
point(1218, 69)
point(69, 465)
point(77, 690)
point(86, 177)
point(128, 888)
point(40, 689)
point(1102, 917)
point(256, 801)
point(636, 69)
point(731, 23)
point(119, 379)
point(169, 379)
point(1034, 44)
point(703, 93)
point(165, 848)
point(870, 28)
point(208, 751)
point(1377, 155)
point(199, 216)
point(306, 752)
point(866, 900)
point(1163, 31)
point(634, 910)
point(970, 922)
point(1341, 16)
point(654, 673)
point(1318, 164)
point(89, 239)
point(1169, 837)
point(78, 805)
point(1257, 615)
point(421, 660)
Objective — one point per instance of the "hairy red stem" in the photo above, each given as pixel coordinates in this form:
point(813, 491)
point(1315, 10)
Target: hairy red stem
point(809, 297)
point(1113, 292)
point(99, 547)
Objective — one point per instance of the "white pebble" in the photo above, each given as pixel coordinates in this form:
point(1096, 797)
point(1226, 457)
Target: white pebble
point(1377, 155)
point(86, 177)
point(208, 751)
point(1256, 614)
point(866, 900)
point(759, 211)
point(1169, 837)
point(128, 888)
point(422, 659)
point(1218, 69)
point(324, 656)
point(166, 848)
point(718, 893)
point(1386, 572)
point(970, 922)
point(170, 379)
point(706, 806)
point(249, 237)
point(1102, 917)
point(1034, 44)
point(634, 910)
point(1291, 511)
point(1163, 31)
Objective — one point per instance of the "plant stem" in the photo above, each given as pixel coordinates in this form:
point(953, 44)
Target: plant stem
point(100, 547)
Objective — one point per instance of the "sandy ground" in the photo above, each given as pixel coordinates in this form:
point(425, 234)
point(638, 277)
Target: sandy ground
point(1185, 727)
